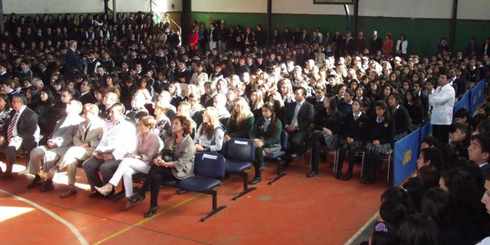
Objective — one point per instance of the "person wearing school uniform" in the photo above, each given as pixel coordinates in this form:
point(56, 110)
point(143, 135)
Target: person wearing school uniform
point(267, 137)
point(353, 136)
point(401, 117)
point(381, 133)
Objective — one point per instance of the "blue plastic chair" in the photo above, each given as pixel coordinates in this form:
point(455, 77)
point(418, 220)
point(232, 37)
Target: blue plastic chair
point(239, 155)
point(209, 170)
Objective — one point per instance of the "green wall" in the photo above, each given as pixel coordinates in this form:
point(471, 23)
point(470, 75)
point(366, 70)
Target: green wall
point(244, 19)
point(423, 34)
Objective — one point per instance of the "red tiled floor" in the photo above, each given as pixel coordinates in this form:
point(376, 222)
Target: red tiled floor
point(294, 210)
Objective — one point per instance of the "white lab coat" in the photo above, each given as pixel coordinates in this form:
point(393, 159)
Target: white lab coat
point(442, 102)
point(119, 139)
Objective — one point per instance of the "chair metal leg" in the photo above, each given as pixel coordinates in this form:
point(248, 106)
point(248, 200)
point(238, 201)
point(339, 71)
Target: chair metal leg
point(279, 174)
point(363, 162)
point(388, 175)
point(246, 189)
point(215, 209)
point(336, 163)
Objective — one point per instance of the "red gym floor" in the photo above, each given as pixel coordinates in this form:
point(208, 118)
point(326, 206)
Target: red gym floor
point(294, 210)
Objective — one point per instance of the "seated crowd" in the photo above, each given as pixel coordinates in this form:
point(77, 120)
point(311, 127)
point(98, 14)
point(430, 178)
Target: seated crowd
point(447, 200)
point(127, 98)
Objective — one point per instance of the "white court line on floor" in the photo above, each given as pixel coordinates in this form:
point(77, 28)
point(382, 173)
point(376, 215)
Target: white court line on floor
point(53, 215)
point(361, 230)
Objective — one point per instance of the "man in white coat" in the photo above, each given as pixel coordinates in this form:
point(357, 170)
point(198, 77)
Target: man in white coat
point(118, 140)
point(441, 102)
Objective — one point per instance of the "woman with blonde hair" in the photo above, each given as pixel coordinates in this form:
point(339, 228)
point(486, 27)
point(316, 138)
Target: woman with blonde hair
point(256, 102)
point(210, 134)
point(241, 122)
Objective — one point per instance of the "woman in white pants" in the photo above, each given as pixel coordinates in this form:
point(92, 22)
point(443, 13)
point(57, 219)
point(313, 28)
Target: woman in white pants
point(139, 162)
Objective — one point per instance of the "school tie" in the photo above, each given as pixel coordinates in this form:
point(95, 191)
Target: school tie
point(10, 129)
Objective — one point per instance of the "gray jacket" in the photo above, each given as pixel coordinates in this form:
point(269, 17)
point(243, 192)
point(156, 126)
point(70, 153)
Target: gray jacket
point(183, 155)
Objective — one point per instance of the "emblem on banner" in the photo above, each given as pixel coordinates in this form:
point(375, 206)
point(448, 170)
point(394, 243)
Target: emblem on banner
point(407, 157)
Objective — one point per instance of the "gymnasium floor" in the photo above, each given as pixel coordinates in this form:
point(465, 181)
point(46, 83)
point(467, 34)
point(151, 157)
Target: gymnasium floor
point(294, 210)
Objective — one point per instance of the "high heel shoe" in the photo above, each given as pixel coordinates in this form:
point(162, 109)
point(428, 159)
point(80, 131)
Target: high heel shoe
point(105, 190)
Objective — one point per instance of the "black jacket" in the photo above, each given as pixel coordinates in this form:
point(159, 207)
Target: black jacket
point(72, 62)
point(355, 129)
point(330, 121)
point(402, 120)
point(384, 131)
point(26, 127)
point(88, 98)
point(306, 115)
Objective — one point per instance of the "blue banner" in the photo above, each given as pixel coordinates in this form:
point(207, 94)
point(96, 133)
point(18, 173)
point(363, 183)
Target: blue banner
point(463, 102)
point(425, 130)
point(477, 96)
point(406, 153)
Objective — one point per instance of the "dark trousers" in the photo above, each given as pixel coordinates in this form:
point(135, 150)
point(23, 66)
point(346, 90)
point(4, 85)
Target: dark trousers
point(93, 166)
point(317, 144)
point(370, 165)
point(259, 160)
point(157, 176)
point(296, 143)
point(9, 153)
point(348, 152)
point(441, 133)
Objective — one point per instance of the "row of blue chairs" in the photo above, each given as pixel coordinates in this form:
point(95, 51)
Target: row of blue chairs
point(210, 169)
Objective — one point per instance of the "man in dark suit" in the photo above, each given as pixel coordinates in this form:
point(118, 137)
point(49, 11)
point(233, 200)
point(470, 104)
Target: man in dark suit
point(20, 132)
point(479, 152)
point(86, 93)
point(401, 118)
point(72, 61)
point(299, 121)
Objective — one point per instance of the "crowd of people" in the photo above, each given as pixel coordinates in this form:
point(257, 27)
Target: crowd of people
point(129, 97)
point(447, 200)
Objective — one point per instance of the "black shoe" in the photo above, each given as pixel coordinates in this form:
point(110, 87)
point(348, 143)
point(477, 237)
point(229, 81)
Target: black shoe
point(152, 211)
point(35, 182)
point(367, 181)
point(136, 198)
point(47, 186)
point(347, 177)
point(311, 174)
point(180, 191)
point(256, 180)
